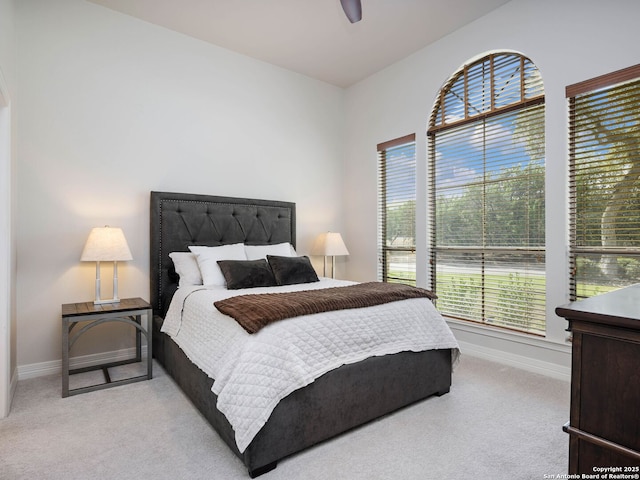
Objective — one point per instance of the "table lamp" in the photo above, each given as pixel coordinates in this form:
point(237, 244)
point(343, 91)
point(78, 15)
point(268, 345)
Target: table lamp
point(329, 244)
point(106, 244)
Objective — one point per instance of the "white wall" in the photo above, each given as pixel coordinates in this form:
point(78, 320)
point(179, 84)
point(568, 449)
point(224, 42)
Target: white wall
point(569, 41)
point(8, 362)
point(111, 108)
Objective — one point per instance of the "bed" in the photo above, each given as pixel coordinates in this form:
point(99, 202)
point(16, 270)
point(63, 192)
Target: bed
point(337, 401)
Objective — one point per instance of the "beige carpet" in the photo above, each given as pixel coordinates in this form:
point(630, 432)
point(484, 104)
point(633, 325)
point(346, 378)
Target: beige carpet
point(496, 423)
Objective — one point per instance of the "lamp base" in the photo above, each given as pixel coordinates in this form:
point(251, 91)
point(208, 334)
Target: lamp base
point(102, 302)
point(115, 299)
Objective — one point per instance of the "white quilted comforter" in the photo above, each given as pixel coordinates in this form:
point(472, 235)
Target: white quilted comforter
point(254, 372)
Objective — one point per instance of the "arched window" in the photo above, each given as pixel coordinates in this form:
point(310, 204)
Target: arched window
point(486, 188)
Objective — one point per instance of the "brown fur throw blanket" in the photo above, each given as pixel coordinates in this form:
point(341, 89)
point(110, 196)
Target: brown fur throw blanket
point(255, 311)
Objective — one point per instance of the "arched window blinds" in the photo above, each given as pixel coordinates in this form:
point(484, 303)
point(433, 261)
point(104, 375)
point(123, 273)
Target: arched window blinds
point(486, 187)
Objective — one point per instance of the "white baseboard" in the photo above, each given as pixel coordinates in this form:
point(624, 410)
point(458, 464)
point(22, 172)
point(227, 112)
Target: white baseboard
point(467, 348)
point(537, 355)
point(54, 367)
point(518, 361)
point(13, 384)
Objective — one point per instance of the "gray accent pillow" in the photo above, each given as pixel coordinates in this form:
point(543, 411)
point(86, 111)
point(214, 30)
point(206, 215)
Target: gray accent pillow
point(292, 270)
point(247, 273)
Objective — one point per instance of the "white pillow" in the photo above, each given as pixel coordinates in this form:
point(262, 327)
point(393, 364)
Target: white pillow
point(207, 258)
point(257, 252)
point(187, 268)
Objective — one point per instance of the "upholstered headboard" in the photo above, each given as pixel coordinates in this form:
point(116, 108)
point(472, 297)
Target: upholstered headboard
point(179, 220)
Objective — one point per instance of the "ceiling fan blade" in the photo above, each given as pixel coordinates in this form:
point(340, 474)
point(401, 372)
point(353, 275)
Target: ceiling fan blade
point(353, 10)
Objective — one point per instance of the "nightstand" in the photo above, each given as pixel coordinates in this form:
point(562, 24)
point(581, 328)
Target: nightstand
point(128, 311)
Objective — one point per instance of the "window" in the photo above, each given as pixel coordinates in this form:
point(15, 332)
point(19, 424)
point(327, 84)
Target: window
point(397, 210)
point(604, 182)
point(486, 187)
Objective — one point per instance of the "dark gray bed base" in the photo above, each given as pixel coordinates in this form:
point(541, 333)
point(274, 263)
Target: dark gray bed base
point(336, 402)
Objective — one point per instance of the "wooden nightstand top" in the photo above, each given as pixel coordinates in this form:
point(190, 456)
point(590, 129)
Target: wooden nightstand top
point(85, 308)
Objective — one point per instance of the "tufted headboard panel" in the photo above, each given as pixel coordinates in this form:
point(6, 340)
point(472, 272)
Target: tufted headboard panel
point(179, 220)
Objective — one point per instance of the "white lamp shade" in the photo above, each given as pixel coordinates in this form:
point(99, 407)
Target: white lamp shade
point(329, 244)
point(106, 244)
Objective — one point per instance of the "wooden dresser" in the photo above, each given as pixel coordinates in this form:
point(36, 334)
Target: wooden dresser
point(604, 425)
